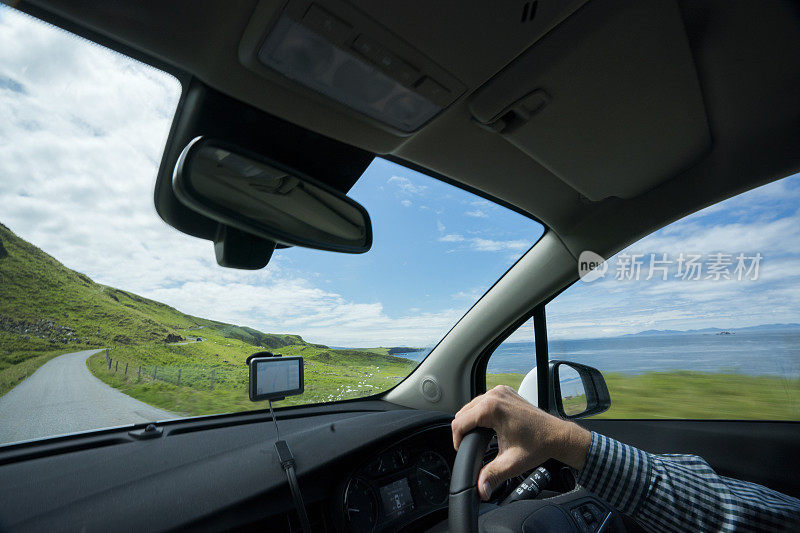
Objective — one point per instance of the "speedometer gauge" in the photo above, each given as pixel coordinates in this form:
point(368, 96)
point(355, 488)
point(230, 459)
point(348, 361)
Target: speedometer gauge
point(360, 505)
point(433, 477)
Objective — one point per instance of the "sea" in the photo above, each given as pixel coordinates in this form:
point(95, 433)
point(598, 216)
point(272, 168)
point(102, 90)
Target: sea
point(774, 353)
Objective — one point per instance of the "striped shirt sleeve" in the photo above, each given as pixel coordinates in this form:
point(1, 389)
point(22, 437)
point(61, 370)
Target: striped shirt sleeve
point(681, 492)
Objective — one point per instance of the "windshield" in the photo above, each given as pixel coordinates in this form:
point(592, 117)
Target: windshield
point(108, 316)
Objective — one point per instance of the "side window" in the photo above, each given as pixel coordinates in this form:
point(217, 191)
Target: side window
point(698, 320)
point(513, 360)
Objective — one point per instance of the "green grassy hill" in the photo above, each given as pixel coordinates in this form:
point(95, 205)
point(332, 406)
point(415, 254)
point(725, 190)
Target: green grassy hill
point(257, 338)
point(62, 307)
point(47, 309)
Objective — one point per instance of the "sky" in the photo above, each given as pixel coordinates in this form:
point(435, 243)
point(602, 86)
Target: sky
point(82, 131)
point(763, 221)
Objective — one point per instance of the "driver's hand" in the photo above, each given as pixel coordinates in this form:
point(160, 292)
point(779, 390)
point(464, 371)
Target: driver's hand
point(526, 435)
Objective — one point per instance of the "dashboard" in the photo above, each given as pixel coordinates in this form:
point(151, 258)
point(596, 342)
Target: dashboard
point(222, 472)
point(400, 485)
point(362, 466)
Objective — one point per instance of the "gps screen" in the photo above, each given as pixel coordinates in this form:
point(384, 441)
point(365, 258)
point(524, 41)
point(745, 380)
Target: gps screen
point(276, 377)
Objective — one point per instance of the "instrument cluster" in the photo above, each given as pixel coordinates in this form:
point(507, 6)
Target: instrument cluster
point(399, 485)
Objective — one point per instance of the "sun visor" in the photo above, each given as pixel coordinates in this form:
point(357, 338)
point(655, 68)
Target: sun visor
point(609, 101)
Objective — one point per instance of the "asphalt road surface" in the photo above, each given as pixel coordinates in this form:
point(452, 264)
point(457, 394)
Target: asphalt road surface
point(62, 397)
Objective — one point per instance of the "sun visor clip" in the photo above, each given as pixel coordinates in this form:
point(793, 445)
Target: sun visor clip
point(518, 113)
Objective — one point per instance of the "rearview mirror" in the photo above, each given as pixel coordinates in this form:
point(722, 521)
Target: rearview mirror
point(578, 390)
point(264, 198)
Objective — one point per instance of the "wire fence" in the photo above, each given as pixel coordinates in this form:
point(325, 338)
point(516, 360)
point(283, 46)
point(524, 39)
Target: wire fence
point(320, 385)
point(197, 377)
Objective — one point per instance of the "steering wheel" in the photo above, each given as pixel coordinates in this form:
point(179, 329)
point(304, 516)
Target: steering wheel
point(464, 496)
point(567, 512)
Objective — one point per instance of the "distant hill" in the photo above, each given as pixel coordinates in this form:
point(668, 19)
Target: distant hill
point(404, 349)
point(45, 305)
point(762, 327)
point(384, 350)
point(264, 340)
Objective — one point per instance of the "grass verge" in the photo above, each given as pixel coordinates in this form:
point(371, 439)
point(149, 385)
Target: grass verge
point(685, 394)
point(213, 375)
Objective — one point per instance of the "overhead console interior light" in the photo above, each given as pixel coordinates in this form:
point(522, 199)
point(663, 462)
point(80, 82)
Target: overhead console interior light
point(330, 56)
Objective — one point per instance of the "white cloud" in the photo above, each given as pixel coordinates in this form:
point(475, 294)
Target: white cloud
point(405, 203)
point(294, 305)
point(488, 245)
point(471, 295)
point(476, 214)
point(406, 185)
point(439, 226)
point(477, 244)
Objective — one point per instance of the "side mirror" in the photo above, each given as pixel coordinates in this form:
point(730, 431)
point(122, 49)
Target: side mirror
point(264, 198)
point(578, 390)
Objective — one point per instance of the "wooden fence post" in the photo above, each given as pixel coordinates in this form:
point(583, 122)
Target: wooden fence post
point(109, 364)
point(139, 375)
point(179, 376)
point(155, 371)
point(213, 375)
point(116, 367)
point(126, 369)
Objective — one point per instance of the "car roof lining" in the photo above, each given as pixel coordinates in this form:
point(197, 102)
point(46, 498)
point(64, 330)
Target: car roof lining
point(746, 58)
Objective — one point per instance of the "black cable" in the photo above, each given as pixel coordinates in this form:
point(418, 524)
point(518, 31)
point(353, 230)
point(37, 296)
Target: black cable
point(298, 499)
point(288, 463)
point(277, 429)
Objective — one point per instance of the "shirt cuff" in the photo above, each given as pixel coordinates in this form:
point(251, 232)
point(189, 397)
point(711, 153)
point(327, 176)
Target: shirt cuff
point(616, 472)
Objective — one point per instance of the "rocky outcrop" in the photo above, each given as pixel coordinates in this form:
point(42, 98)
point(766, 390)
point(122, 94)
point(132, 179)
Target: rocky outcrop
point(43, 329)
point(3, 251)
point(173, 338)
point(122, 339)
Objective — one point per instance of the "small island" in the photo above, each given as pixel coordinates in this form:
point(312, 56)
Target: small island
point(404, 349)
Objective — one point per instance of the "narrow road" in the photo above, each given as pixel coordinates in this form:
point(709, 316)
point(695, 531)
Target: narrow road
point(62, 397)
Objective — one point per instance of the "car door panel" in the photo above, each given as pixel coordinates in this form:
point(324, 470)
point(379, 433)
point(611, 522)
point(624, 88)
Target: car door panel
point(763, 452)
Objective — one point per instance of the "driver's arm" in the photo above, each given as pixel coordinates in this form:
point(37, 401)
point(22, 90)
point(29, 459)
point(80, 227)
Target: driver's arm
point(661, 492)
